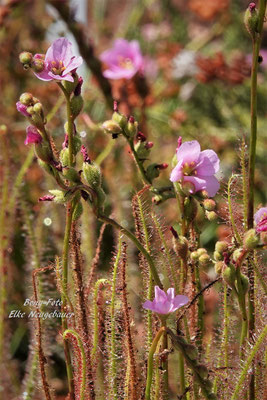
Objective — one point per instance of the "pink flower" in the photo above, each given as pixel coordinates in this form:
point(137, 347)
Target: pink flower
point(124, 60)
point(260, 219)
point(22, 109)
point(197, 167)
point(59, 62)
point(165, 303)
point(33, 135)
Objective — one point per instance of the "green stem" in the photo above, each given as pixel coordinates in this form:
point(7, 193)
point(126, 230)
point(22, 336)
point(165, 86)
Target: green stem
point(150, 362)
point(236, 233)
point(244, 184)
point(200, 320)
point(150, 280)
point(82, 369)
point(256, 43)
point(98, 284)
point(242, 304)
point(248, 363)
point(65, 258)
point(140, 247)
point(138, 162)
point(70, 125)
point(113, 327)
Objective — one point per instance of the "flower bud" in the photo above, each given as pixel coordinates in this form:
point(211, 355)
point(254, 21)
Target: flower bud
point(141, 150)
point(229, 275)
point(22, 109)
point(209, 204)
point(43, 151)
point(204, 260)
point(76, 144)
point(71, 174)
point(221, 246)
point(92, 175)
point(33, 135)
point(120, 119)
point(78, 88)
point(217, 256)
point(64, 157)
point(203, 194)
point(251, 239)
point(211, 215)
point(112, 127)
point(201, 251)
point(61, 197)
point(251, 19)
point(194, 256)
point(25, 58)
point(38, 108)
point(38, 65)
point(46, 167)
point(236, 254)
point(101, 197)
point(152, 171)
point(76, 105)
point(26, 99)
point(219, 267)
point(131, 128)
point(181, 247)
point(208, 384)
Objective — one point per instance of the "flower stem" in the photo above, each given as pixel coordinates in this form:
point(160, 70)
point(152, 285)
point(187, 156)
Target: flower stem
point(248, 363)
point(150, 361)
point(140, 247)
point(70, 125)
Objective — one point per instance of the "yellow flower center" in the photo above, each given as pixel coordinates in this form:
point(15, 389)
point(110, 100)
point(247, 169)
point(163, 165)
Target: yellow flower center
point(189, 169)
point(125, 63)
point(57, 67)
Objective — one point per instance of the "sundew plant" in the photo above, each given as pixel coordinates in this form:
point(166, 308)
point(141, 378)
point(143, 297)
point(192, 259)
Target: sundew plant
point(133, 222)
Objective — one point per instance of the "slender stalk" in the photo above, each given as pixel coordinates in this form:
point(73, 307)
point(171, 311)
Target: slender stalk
point(256, 43)
point(140, 247)
point(150, 362)
point(200, 320)
point(138, 162)
point(113, 327)
point(82, 368)
point(150, 281)
point(236, 233)
point(248, 363)
point(70, 124)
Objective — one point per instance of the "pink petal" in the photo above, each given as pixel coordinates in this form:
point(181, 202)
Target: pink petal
point(44, 75)
point(162, 307)
point(148, 305)
point(119, 73)
point(180, 301)
point(189, 152)
point(176, 174)
point(60, 50)
point(208, 164)
point(170, 294)
point(61, 78)
point(160, 295)
point(76, 62)
point(208, 183)
point(260, 214)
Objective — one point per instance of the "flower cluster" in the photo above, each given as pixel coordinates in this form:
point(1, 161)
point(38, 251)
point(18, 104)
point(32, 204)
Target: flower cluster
point(260, 219)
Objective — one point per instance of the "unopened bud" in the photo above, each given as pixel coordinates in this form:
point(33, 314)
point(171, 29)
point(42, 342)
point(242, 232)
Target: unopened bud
point(217, 256)
point(209, 204)
point(188, 188)
point(76, 144)
point(70, 86)
point(64, 156)
point(251, 239)
point(204, 260)
point(219, 267)
point(174, 233)
point(78, 88)
point(26, 99)
point(25, 58)
point(229, 275)
point(194, 256)
point(149, 145)
point(61, 197)
point(203, 194)
point(38, 108)
point(191, 351)
point(221, 246)
point(152, 171)
point(140, 136)
point(71, 174)
point(76, 105)
point(92, 175)
point(141, 150)
point(101, 197)
point(237, 254)
point(120, 119)
point(77, 212)
point(212, 216)
point(131, 127)
point(190, 208)
point(201, 251)
point(38, 65)
point(181, 247)
point(112, 127)
point(251, 19)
